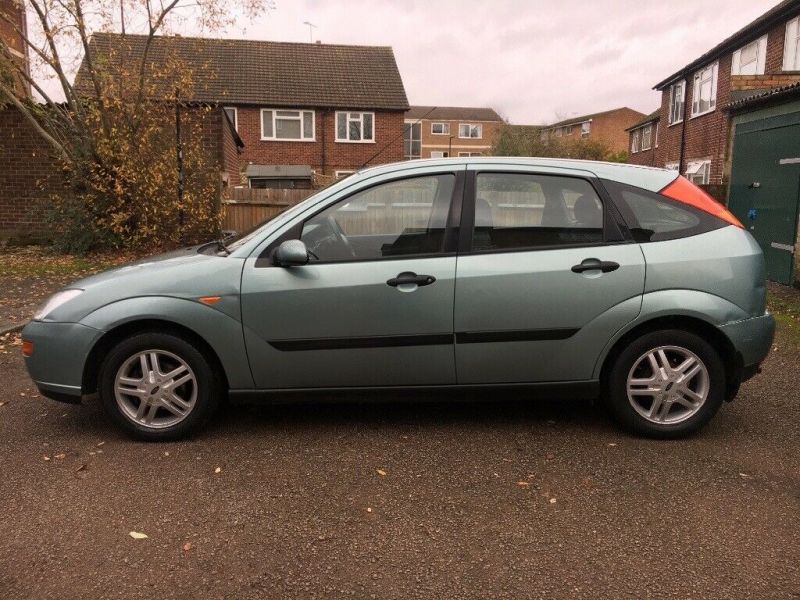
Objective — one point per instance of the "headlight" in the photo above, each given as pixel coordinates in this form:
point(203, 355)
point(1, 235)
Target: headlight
point(54, 302)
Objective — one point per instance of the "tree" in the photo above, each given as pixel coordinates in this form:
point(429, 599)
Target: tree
point(112, 127)
point(530, 140)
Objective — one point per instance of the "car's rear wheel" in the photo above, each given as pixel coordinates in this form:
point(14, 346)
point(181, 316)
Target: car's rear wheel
point(666, 384)
point(158, 386)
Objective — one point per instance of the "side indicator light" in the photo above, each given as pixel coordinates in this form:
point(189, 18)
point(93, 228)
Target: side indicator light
point(210, 300)
point(686, 192)
point(27, 348)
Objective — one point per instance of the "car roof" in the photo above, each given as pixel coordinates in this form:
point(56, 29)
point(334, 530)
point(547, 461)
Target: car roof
point(649, 178)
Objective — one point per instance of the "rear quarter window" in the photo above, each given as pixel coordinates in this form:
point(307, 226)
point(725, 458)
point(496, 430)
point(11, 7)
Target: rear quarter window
point(651, 217)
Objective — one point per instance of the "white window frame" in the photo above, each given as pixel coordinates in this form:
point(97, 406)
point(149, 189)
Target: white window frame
point(759, 64)
point(676, 116)
point(275, 117)
point(586, 129)
point(672, 166)
point(444, 126)
point(235, 116)
point(791, 46)
point(439, 154)
point(408, 126)
point(350, 118)
point(707, 74)
point(656, 133)
point(695, 167)
point(636, 140)
point(478, 126)
point(339, 174)
point(469, 154)
point(649, 129)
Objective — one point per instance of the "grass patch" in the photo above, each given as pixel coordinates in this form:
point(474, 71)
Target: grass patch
point(37, 261)
point(784, 304)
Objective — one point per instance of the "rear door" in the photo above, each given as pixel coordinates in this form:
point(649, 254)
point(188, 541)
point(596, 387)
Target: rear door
point(544, 277)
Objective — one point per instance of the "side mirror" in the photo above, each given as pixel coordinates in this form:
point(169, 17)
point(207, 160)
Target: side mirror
point(291, 253)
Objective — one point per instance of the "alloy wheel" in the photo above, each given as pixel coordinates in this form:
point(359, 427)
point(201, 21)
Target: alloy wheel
point(668, 385)
point(155, 389)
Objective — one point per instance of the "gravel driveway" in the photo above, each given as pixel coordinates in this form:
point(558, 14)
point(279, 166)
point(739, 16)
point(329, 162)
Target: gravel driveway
point(500, 497)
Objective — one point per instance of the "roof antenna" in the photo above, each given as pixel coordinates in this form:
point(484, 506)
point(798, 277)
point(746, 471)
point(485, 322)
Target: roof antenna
point(311, 28)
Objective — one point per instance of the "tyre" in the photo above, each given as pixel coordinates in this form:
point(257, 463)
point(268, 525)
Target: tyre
point(158, 386)
point(666, 384)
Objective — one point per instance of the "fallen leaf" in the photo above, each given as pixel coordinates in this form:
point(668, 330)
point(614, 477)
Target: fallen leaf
point(745, 475)
point(3, 403)
point(166, 453)
point(218, 470)
point(187, 546)
point(100, 444)
point(612, 444)
point(369, 509)
point(138, 535)
point(552, 500)
point(81, 468)
point(523, 483)
point(381, 472)
point(60, 456)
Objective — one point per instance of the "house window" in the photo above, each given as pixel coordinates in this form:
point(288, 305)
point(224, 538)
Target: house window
point(440, 128)
point(751, 59)
point(355, 127)
point(677, 96)
point(438, 154)
point(342, 174)
point(559, 132)
point(233, 116)
point(704, 94)
point(699, 171)
point(636, 140)
point(671, 166)
point(470, 130)
point(791, 47)
point(586, 129)
point(647, 137)
point(656, 144)
point(411, 140)
point(287, 125)
point(468, 154)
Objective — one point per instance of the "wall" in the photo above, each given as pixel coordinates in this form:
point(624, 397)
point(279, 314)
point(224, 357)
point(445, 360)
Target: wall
point(646, 158)
point(9, 35)
point(325, 154)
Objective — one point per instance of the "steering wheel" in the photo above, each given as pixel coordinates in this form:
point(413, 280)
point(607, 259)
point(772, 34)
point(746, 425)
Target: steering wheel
point(337, 231)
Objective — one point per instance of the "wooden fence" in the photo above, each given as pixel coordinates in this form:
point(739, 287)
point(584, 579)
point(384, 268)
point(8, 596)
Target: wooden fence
point(245, 208)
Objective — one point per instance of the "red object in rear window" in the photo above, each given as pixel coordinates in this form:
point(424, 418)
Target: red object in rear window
point(685, 191)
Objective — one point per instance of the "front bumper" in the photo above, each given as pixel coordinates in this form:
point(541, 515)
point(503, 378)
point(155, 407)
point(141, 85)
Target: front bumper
point(59, 355)
point(752, 339)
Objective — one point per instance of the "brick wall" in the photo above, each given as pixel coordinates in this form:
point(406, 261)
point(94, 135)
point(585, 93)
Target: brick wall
point(29, 174)
point(324, 154)
point(707, 136)
point(27, 178)
point(432, 142)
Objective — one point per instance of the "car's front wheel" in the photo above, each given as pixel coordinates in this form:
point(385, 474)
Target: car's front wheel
point(158, 386)
point(666, 384)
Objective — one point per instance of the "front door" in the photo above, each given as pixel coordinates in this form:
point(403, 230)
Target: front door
point(373, 307)
point(546, 281)
point(765, 189)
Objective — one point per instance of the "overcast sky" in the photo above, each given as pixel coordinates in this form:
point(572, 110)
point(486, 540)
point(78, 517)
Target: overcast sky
point(531, 60)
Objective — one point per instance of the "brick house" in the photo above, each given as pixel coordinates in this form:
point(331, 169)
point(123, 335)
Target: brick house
point(13, 26)
point(301, 110)
point(609, 127)
point(694, 127)
point(442, 131)
point(644, 140)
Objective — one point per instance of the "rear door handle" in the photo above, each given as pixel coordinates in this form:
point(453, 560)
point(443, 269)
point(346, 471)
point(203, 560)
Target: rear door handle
point(592, 264)
point(409, 278)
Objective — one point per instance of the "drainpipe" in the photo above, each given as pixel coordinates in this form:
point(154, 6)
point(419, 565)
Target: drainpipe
point(322, 114)
point(683, 124)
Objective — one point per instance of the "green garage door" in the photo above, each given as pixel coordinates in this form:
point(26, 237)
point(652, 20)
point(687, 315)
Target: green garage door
point(765, 188)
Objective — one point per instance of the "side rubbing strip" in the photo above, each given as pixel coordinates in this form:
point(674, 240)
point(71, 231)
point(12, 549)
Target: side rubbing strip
point(532, 335)
point(391, 341)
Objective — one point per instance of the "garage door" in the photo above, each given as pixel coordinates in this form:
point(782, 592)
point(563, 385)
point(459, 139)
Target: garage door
point(765, 188)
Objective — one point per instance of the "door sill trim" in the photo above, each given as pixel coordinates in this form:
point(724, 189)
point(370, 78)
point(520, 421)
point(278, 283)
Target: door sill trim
point(588, 389)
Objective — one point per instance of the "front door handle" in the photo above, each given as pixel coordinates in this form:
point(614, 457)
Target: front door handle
point(592, 264)
point(409, 278)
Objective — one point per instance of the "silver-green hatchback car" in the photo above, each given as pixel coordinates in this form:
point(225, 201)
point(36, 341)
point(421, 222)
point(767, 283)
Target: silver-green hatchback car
point(568, 277)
